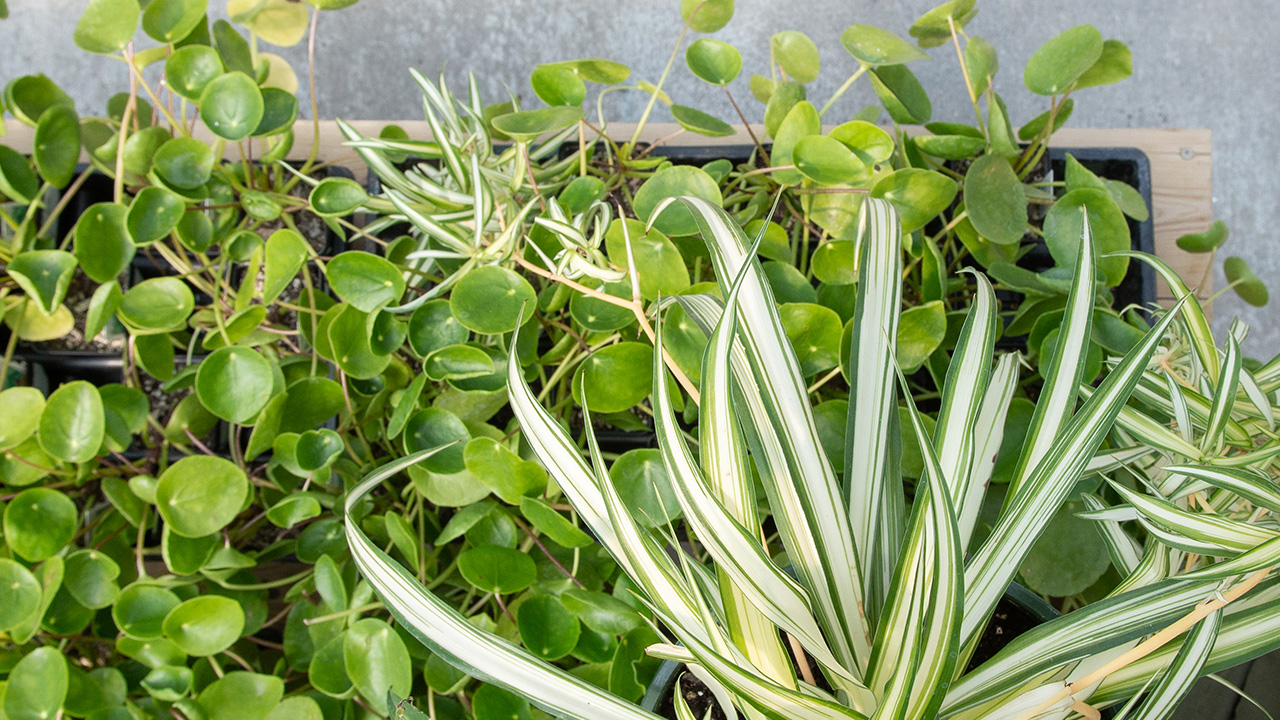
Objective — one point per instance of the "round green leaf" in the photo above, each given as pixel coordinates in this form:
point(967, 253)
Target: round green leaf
point(1062, 60)
point(918, 195)
point(364, 281)
point(241, 696)
point(814, 332)
point(713, 61)
point(871, 144)
point(234, 383)
point(377, 660)
point(106, 26)
point(23, 465)
point(56, 146)
point(675, 181)
point(38, 327)
point(527, 125)
point(29, 96)
point(826, 160)
point(38, 523)
point(169, 683)
point(279, 112)
point(1247, 285)
point(293, 509)
point(1113, 65)
point(190, 69)
point(558, 86)
point(1069, 557)
point(231, 106)
point(547, 629)
point(158, 304)
point(950, 147)
point(184, 162)
point(20, 595)
point(327, 670)
point(596, 70)
point(695, 120)
point(995, 200)
point(788, 284)
point(337, 196)
point(20, 409)
point(140, 149)
point(796, 54)
point(169, 21)
point(802, 121)
point(17, 180)
point(901, 94)
point(833, 262)
point(492, 300)
point(920, 332)
point(205, 625)
point(44, 275)
point(615, 377)
point(491, 702)
point(659, 264)
point(433, 326)
point(103, 245)
point(784, 96)
point(153, 214)
point(316, 449)
point(200, 494)
point(580, 193)
point(1206, 241)
point(934, 27)
point(1064, 225)
point(495, 569)
point(37, 685)
point(641, 480)
point(601, 612)
point(433, 427)
point(72, 424)
point(874, 46)
point(601, 316)
point(91, 579)
point(457, 362)
point(981, 62)
point(706, 16)
point(297, 707)
point(140, 610)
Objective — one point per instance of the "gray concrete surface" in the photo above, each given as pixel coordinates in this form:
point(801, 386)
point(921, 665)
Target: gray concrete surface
point(1196, 64)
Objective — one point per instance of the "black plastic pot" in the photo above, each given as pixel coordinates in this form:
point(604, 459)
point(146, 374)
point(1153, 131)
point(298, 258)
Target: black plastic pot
point(1019, 605)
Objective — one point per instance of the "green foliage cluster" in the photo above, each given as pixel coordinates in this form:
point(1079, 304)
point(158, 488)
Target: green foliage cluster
point(175, 541)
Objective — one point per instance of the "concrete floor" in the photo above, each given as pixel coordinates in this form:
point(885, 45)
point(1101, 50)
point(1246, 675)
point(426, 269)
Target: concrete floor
point(1196, 65)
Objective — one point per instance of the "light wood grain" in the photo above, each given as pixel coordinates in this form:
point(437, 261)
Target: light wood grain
point(1181, 171)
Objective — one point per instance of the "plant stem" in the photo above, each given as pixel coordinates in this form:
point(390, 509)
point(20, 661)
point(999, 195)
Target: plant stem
point(67, 194)
point(964, 70)
point(653, 97)
point(311, 79)
point(764, 156)
point(13, 344)
point(862, 69)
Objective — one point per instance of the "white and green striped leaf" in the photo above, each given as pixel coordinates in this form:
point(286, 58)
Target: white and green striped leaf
point(1062, 377)
point(447, 633)
point(1034, 504)
point(1176, 681)
point(778, 423)
point(877, 309)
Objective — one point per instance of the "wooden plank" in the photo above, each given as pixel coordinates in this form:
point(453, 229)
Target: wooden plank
point(1181, 171)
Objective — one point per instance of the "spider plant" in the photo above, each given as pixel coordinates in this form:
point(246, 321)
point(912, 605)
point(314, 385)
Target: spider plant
point(890, 596)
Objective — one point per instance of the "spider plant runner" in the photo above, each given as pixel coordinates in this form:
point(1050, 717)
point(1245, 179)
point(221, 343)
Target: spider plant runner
point(891, 596)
